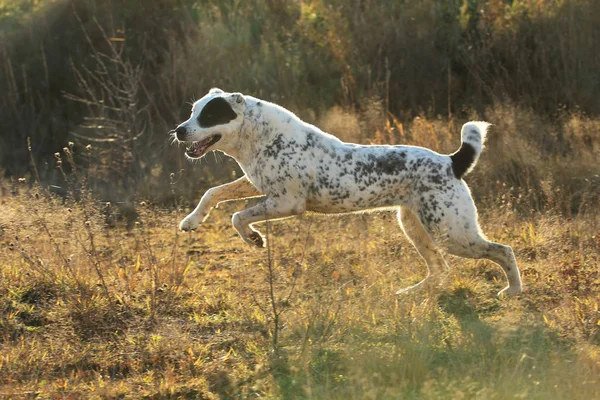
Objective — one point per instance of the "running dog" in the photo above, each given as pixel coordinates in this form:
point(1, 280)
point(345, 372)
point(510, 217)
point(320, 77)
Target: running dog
point(297, 168)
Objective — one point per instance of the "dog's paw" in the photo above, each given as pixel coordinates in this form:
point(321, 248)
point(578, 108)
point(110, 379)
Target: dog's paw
point(256, 239)
point(189, 223)
point(510, 291)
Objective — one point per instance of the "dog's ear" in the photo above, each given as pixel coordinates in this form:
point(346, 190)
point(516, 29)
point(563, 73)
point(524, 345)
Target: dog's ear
point(237, 98)
point(215, 90)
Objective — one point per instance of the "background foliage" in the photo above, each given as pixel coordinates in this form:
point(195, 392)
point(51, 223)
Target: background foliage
point(122, 73)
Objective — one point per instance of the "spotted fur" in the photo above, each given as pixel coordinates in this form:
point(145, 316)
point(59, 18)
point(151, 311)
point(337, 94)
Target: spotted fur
point(297, 168)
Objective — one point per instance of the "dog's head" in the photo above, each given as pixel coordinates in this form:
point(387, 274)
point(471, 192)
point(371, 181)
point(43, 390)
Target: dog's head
point(214, 124)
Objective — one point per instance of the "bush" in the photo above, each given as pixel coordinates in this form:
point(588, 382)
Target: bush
point(372, 60)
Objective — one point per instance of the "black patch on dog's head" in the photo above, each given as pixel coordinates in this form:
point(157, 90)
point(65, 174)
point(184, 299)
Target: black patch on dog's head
point(218, 111)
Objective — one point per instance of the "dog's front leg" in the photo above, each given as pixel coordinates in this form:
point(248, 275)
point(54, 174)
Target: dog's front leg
point(269, 209)
point(239, 189)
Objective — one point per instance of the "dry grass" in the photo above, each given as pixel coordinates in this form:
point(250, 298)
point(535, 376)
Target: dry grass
point(90, 307)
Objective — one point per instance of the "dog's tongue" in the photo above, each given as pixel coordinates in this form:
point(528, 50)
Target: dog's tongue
point(197, 149)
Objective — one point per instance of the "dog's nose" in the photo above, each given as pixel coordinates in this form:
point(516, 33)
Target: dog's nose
point(180, 132)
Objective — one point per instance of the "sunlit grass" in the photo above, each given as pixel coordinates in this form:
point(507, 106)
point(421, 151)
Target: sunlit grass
point(188, 314)
point(96, 302)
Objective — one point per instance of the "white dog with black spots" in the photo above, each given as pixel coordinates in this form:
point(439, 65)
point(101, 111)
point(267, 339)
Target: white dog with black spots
point(297, 168)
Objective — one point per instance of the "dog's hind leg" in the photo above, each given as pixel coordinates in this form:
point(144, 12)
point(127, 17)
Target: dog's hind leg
point(239, 189)
point(478, 247)
point(464, 238)
point(416, 233)
point(268, 209)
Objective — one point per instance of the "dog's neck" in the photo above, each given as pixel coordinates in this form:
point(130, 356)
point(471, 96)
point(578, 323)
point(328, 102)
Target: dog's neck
point(262, 122)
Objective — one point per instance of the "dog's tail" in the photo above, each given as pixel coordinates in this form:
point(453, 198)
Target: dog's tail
point(473, 136)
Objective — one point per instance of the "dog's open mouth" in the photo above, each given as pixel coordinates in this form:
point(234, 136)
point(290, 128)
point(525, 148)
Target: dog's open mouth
point(198, 149)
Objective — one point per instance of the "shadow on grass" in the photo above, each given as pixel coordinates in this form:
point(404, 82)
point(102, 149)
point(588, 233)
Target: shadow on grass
point(458, 305)
point(450, 352)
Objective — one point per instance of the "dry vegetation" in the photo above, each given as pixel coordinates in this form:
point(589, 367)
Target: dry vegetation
point(101, 297)
point(89, 306)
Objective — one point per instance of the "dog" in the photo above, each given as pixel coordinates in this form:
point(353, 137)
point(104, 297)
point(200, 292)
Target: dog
point(297, 167)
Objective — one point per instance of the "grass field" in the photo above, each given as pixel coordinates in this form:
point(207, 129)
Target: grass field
point(101, 300)
point(89, 308)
